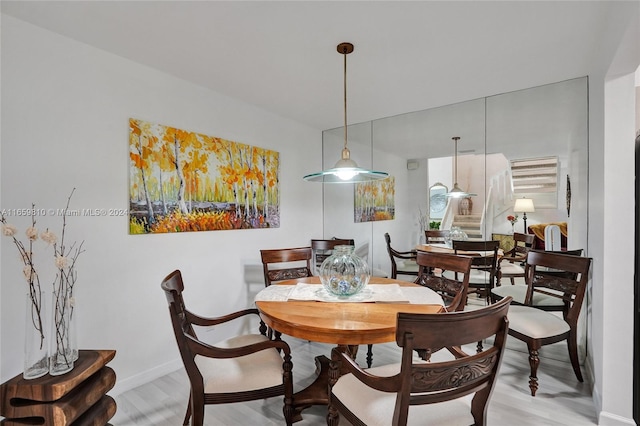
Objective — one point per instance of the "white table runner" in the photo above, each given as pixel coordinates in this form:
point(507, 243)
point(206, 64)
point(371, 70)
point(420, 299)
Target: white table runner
point(380, 293)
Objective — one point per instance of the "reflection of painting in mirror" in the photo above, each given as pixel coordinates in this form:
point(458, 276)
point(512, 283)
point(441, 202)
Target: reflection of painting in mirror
point(374, 200)
point(437, 200)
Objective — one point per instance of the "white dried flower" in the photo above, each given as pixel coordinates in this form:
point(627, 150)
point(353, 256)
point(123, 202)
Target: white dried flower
point(49, 237)
point(31, 233)
point(9, 230)
point(29, 273)
point(61, 262)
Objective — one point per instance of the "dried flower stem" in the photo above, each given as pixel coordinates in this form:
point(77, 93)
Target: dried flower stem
point(31, 275)
point(63, 293)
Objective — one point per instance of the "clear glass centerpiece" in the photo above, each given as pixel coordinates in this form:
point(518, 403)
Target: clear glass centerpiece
point(457, 234)
point(344, 273)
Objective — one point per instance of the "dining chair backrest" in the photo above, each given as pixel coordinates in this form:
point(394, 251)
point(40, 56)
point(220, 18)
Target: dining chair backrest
point(453, 291)
point(522, 243)
point(436, 236)
point(324, 248)
point(286, 264)
point(558, 275)
point(419, 384)
point(484, 263)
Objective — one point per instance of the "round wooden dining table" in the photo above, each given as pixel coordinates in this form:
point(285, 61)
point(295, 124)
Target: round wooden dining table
point(344, 324)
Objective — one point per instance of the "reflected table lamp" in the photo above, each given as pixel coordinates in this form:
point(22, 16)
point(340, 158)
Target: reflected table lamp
point(524, 206)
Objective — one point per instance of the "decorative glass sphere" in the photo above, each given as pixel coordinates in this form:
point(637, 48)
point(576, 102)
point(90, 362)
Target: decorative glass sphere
point(344, 273)
point(456, 234)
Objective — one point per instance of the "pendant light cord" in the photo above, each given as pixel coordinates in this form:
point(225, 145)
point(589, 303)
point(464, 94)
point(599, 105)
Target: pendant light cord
point(455, 162)
point(345, 96)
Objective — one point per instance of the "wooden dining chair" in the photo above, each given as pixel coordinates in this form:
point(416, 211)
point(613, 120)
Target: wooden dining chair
point(243, 368)
point(537, 327)
point(418, 392)
point(322, 249)
point(286, 264)
point(484, 261)
point(453, 291)
point(436, 236)
point(402, 262)
point(511, 265)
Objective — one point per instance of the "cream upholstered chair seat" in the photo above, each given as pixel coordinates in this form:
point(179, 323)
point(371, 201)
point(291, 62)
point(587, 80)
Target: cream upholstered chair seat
point(254, 371)
point(536, 323)
point(476, 276)
point(519, 292)
point(375, 408)
point(407, 266)
point(508, 268)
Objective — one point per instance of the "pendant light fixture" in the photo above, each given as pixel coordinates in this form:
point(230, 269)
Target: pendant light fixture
point(456, 192)
point(345, 170)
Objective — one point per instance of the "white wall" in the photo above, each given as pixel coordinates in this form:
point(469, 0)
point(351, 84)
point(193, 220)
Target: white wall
point(65, 124)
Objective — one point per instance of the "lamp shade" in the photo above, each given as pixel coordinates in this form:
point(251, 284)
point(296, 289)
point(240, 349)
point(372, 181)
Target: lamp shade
point(346, 170)
point(524, 205)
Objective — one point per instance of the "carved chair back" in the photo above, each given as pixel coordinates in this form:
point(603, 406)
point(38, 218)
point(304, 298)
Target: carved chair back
point(560, 275)
point(485, 265)
point(420, 383)
point(433, 236)
point(453, 291)
point(286, 264)
point(324, 248)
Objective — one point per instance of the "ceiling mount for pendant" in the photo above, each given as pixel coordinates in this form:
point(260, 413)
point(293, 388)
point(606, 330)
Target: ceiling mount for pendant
point(456, 191)
point(345, 170)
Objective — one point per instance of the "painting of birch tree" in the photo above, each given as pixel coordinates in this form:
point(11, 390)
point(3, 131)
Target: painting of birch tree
point(182, 181)
point(375, 200)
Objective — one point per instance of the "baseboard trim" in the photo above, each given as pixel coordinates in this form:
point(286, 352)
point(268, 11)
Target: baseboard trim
point(145, 377)
point(609, 419)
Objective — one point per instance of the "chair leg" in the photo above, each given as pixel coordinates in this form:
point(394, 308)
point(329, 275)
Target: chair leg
point(187, 416)
point(198, 413)
point(534, 362)
point(573, 355)
point(513, 280)
point(369, 355)
point(479, 407)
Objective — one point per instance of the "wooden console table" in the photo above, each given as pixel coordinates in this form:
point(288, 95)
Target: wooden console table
point(76, 398)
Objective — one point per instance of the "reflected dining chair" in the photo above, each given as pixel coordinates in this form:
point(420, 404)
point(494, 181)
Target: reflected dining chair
point(416, 392)
point(242, 368)
point(453, 292)
point(436, 236)
point(511, 265)
point(484, 261)
point(286, 264)
point(555, 275)
point(540, 300)
point(322, 249)
point(402, 262)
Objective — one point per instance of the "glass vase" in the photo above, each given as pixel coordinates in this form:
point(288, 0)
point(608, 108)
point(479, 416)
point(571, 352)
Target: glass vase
point(36, 349)
point(344, 273)
point(457, 234)
point(60, 353)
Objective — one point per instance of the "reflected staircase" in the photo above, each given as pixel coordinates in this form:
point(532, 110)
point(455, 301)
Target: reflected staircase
point(471, 224)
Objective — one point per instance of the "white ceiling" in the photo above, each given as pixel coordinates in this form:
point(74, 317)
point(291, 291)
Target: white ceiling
point(281, 56)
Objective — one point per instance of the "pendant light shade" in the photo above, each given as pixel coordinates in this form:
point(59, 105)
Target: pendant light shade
point(456, 191)
point(345, 170)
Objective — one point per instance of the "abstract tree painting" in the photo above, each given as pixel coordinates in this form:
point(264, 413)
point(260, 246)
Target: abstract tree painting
point(182, 181)
point(375, 200)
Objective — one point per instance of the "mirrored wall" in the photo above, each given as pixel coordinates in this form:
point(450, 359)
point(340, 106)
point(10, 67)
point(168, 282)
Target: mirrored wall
point(542, 124)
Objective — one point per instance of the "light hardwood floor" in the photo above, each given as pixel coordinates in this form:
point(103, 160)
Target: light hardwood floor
point(561, 399)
